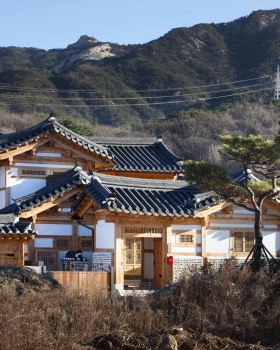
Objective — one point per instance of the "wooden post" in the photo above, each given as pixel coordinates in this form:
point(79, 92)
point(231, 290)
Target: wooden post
point(168, 269)
point(75, 238)
point(204, 223)
point(7, 184)
point(21, 253)
point(119, 257)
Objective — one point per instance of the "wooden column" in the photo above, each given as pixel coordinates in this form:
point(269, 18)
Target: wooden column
point(167, 241)
point(204, 224)
point(75, 238)
point(8, 184)
point(21, 253)
point(119, 257)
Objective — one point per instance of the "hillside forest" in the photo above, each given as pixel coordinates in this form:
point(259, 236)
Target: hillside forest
point(187, 87)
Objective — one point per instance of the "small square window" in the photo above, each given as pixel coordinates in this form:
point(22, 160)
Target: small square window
point(186, 238)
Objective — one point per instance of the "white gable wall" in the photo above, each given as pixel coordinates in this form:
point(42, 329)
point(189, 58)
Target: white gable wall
point(218, 241)
point(54, 229)
point(271, 240)
point(105, 235)
point(43, 243)
point(186, 248)
point(2, 176)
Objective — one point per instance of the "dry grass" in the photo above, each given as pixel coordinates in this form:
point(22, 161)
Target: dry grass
point(217, 305)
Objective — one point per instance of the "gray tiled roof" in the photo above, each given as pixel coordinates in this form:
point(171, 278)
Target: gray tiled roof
point(147, 197)
point(13, 140)
point(56, 186)
point(140, 155)
point(8, 227)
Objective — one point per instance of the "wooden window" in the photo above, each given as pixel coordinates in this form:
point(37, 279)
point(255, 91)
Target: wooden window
point(186, 238)
point(243, 242)
point(33, 173)
point(56, 171)
point(86, 244)
point(133, 251)
point(63, 243)
point(39, 172)
point(49, 257)
point(143, 230)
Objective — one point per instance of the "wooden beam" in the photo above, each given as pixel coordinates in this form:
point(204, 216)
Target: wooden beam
point(48, 205)
point(84, 206)
point(21, 149)
point(212, 210)
point(273, 206)
point(84, 153)
point(146, 175)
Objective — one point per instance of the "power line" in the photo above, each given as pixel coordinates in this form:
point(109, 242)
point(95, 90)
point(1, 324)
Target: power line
point(3, 87)
point(129, 98)
point(143, 104)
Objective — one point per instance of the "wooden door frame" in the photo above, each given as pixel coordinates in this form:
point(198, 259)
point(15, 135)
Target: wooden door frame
point(158, 265)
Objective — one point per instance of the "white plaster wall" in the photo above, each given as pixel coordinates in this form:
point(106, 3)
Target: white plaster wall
point(2, 176)
point(45, 154)
point(105, 235)
point(217, 241)
point(277, 242)
point(215, 224)
point(198, 238)
point(185, 250)
point(23, 186)
point(14, 171)
point(84, 231)
point(186, 227)
point(54, 229)
point(271, 240)
point(50, 166)
point(2, 199)
point(43, 243)
point(242, 212)
point(65, 210)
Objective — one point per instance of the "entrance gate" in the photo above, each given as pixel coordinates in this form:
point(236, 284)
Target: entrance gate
point(143, 258)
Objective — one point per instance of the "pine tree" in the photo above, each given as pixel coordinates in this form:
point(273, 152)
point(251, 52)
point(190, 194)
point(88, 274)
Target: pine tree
point(254, 154)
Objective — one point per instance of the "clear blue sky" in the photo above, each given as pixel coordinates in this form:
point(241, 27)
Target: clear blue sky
point(56, 23)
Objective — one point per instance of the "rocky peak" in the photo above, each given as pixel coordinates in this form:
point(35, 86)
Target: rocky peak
point(83, 43)
point(256, 22)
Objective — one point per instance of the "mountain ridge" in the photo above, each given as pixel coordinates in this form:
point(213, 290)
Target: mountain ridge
point(107, 82)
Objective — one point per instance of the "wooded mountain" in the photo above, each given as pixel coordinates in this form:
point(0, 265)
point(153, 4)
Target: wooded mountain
point(108, 83)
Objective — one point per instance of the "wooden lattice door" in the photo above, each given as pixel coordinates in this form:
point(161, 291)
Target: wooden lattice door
point(133, 256)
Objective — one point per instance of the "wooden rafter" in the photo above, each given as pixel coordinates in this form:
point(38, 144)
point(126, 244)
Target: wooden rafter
point(84, 206)
point(84, 153)
point(48, 205)
point(24, 148)
point(212, 210)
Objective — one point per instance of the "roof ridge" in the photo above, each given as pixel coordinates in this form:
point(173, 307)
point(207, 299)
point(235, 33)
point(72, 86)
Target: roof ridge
point(128, 182)
point(9, 141)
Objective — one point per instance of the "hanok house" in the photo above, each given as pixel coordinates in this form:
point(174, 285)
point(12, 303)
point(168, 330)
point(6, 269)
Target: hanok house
point(122, 205)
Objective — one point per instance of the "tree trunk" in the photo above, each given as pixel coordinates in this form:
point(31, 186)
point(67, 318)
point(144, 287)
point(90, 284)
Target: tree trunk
point(257, 252)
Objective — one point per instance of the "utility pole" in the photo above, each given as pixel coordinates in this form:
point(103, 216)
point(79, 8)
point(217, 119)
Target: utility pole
point(277, 85)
